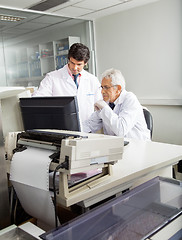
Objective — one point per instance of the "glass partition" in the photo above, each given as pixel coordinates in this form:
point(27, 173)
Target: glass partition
point(34, 43)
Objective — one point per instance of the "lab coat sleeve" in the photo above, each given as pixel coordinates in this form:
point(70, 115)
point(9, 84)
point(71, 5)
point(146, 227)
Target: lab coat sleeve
point(123, 119)
point(45, 88)
point(93, 124)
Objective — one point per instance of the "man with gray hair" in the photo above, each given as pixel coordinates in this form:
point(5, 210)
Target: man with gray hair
point(119, 113)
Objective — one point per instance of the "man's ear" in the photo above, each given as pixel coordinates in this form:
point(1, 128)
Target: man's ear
point(119, 88)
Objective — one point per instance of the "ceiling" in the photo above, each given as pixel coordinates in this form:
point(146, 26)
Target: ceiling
point(69, 12)
point(87, 9)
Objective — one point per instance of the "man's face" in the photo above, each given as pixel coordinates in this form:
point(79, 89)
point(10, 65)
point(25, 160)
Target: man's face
point(75, 66)
point(109, 92)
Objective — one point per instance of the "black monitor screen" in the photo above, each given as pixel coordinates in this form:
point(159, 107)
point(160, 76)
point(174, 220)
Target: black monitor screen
point(50, 113)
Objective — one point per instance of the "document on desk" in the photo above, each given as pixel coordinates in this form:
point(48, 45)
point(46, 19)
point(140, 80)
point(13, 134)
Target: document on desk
point(29, 175)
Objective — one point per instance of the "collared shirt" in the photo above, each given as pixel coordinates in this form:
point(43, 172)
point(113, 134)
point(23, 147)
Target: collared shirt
point(126, 119)
point(70, 73)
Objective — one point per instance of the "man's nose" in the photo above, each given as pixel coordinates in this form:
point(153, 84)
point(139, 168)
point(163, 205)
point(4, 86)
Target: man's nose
point(75, 66)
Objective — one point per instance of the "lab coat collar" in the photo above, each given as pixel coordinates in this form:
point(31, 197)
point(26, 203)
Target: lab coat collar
point(67, 75)
point(121, 97)
point(70, 73)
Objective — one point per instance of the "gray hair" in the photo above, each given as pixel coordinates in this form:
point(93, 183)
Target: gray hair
point(115, 76)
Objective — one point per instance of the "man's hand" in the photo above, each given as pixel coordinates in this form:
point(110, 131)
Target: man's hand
point(100, 105)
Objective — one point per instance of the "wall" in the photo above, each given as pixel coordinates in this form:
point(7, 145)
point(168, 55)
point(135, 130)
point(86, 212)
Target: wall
point(145, 43)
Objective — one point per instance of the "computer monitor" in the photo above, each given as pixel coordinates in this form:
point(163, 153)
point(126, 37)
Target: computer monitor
point(50, 113)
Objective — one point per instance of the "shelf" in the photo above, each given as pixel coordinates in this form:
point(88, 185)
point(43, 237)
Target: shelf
point(32, 61)
point(59, 55)
point(46, 57)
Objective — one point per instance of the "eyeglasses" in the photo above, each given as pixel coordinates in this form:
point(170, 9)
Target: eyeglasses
point(106, 87)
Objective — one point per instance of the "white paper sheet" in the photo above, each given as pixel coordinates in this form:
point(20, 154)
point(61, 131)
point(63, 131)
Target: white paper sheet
point(29, 175)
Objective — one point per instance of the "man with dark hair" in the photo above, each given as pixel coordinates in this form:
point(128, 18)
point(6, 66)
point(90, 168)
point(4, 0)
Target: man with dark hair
point(73, 80)
point(79, 52)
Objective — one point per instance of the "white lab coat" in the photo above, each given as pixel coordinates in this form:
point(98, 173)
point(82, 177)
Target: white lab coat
point(126, 119)
point(60, 83)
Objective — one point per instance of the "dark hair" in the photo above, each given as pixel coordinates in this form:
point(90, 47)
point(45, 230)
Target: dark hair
point(79, 52)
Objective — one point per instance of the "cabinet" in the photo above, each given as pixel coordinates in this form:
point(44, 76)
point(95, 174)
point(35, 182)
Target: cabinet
point(33, 63)
point(46, 58)
point(61, 48)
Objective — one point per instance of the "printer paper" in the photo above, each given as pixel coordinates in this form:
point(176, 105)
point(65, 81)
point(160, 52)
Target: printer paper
point(29, 174)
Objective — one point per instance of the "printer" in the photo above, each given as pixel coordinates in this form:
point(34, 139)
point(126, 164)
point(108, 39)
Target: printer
point(73, 153)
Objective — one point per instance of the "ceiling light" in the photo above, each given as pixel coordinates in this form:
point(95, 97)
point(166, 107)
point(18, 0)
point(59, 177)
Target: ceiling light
point(47, 4)
point(10, 18)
